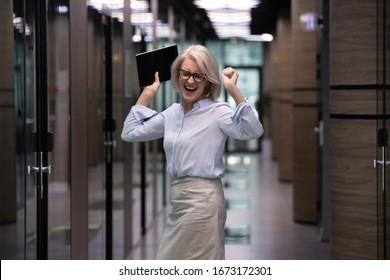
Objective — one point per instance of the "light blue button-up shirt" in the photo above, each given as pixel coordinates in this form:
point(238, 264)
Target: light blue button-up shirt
point(193, 142)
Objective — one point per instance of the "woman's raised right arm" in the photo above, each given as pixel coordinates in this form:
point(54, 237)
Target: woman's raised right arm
point(149, 92)
point(143, 123)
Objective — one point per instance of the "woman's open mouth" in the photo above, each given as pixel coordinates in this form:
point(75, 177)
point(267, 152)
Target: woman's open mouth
point(190, 88)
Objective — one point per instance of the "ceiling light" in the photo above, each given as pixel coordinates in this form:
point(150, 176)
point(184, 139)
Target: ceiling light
point(227, 4)
point(265, 37)
point(228, 16)
point(226, 31)
point(136, 6)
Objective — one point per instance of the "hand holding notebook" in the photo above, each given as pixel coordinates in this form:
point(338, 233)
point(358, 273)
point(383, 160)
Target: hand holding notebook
point(159, 60)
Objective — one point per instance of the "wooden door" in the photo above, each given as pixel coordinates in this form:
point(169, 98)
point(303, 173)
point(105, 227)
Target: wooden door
point(357, 95)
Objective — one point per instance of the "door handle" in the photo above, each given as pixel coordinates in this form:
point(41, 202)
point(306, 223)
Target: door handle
point(110, 143)
point(320, 130)
point(36, 169)
point(380, 162)
point(383, 163)
point(39, 170)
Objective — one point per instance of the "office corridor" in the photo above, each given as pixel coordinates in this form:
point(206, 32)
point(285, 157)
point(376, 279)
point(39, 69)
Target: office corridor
point(260, 222)
point(319, 75)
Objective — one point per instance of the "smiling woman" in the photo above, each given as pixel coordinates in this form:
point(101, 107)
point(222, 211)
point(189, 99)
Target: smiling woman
point(197, 59)
point(195, 132)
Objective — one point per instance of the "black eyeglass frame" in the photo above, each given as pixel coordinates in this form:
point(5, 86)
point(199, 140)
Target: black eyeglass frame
point(197, 76)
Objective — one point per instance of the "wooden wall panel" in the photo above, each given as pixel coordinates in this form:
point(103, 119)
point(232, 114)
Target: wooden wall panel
point(353, 39)
point(284, 46)
point(305, 46)
point(307, 97)
point(357, 102)
point(306, 111)
point(307, 173)
point(79, 130)
point(353, 189)
point(355, 70)
point(275, 126)
point(283, 95)
point(285, 137)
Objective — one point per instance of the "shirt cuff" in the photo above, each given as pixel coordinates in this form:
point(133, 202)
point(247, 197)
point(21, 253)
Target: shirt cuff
point(238, 111)
point(141, 112)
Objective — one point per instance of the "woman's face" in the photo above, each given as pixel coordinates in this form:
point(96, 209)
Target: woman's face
point(192, 89)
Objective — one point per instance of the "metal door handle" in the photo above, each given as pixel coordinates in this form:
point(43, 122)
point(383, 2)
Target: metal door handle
point(39, 170)
point(320, 130)
point(36, 169)
point(380, 162)
point(383, 163)
point(110, 143)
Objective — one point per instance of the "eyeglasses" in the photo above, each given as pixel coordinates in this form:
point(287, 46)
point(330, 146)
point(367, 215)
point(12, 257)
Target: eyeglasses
point(197, 76)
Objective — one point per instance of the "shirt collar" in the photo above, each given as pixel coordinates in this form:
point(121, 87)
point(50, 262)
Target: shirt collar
point(205, 102)
point(200, 104)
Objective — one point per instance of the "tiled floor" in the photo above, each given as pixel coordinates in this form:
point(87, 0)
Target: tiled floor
point(260, 223)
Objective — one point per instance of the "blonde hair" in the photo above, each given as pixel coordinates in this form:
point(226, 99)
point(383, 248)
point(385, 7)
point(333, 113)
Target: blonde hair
point(207, 64)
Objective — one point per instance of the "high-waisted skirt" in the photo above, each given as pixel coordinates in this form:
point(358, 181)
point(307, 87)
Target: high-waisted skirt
point(195, 225)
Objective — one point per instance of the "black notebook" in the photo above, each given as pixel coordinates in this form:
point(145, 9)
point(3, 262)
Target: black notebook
point(159, 60)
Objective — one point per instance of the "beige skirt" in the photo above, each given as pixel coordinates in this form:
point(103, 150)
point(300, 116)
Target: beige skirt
point(195, 226)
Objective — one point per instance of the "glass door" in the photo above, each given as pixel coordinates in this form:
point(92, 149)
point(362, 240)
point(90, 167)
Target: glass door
point(50, 139)
point(108, 128)
point(35, 222)
point(17, 198)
